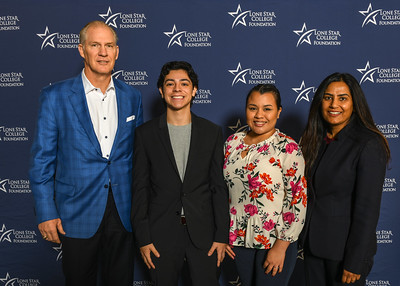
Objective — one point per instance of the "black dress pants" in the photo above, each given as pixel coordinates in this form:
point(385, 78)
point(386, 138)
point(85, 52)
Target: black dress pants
point(108, 254)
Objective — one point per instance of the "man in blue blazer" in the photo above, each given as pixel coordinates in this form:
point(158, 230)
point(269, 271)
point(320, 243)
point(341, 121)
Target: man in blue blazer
point(82, 162)
point(180, 200)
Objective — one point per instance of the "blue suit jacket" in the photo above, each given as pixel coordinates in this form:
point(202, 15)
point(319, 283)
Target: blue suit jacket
point(69, 177)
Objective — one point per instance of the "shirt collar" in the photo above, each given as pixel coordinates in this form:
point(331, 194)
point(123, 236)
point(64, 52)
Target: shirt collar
point(89, 87)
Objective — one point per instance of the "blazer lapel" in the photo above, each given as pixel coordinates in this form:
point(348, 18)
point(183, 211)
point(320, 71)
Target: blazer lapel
point(166, 142)
point(78, 101)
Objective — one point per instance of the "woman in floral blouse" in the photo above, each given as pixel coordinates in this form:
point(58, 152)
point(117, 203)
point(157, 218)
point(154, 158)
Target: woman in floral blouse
point(264, 171)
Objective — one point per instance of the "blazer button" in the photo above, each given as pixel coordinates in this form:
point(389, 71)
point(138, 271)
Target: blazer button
point(105, 186)
point(109, 163)
point(177, 212)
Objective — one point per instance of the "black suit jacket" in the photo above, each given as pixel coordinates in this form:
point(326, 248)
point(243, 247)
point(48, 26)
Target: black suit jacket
point(159, 193)
point(345, 190)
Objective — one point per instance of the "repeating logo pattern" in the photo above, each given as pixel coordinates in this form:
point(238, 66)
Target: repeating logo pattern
point(11, 79)
point(188, 39)
point(121, 20)
point(379, 75)
point(251, 18)
point(12, 186)
point(135, 77)
point(303, 92)
point(315, 37)
point(385, 17)
point(13, 134)
point(58, 40)
point(17, 236)
point(14, 281)
point(252, 76)
point(390, 185)
point(9, 23)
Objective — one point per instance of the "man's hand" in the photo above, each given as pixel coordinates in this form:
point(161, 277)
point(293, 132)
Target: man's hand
point(146, 251)
point(50, 229)
point(230, 252)
point(349, 277)
point(220, 247)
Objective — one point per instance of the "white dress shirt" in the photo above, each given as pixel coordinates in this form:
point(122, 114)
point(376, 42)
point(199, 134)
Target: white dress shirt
point(103, 113)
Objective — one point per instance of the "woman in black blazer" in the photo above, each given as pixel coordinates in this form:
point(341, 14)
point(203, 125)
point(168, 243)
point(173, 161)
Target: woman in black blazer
point(346, 159)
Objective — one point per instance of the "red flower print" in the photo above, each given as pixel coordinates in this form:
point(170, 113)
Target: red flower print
point(272, 160)
point(289, 217)
point(263, 148)
point(251, 209)
point(266, 178)
point(254, 194)
point(263, 240)
point(291, 172)
point(304, 181)
point(269, 225)
point(250, 167)
point(241, 146)
point(290, 147)
point(253, 182)
point(233, 211)
point(232, 237)
point(231, 223)
point(241, 232)
point(296, 188)
point(304, 199)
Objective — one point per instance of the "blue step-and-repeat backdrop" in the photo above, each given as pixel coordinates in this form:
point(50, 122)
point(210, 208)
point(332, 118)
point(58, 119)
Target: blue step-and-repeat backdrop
point(232, 46)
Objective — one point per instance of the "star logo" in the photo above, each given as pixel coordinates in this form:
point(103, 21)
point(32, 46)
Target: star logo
point(8, 280)
point(47, 38)
point(175, 37)
point(300, 254)
point(303, 92)
point(370, 15)
point(236, 282)
point(238, 127)
point(240, 74)
point(368, 73)
point(117, 73)
point(5, 234)
point(110, 18)
point(3, 185)
point(240, 17)
point(59, 251)
point(304, 35)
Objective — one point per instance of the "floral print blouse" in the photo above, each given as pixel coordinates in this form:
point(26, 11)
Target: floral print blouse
point(267, 190)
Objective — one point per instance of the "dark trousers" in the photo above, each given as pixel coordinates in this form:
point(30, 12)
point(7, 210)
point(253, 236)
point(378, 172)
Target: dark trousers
point(249, 264)
point(325, 272)
point(109, 251)
point(202, 268)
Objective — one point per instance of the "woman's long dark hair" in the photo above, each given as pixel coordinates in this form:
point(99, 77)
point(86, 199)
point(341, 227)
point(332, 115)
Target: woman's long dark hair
point(316, 125)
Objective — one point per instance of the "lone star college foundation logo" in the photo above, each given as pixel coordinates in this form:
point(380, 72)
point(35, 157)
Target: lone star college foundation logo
point(124, 20)
point(132, 77)
point(9, 23)
point(11, 186)
point(13, 134)
point(252, 76)
point(250, 18)
point(303, 92)
point(188, 39)
point(58, 40)
point(380, 282)
point(389, 130)
point(14, 281)
point(390, 185)
point(315, 37)
point(11, 79)
point(385, 17)
point(17, 236)
point(384, 236)
point(379, 75)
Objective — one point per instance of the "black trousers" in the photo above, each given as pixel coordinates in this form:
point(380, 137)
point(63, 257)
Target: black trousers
point(203, 269)
point(324, 272)
point(108, 254)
